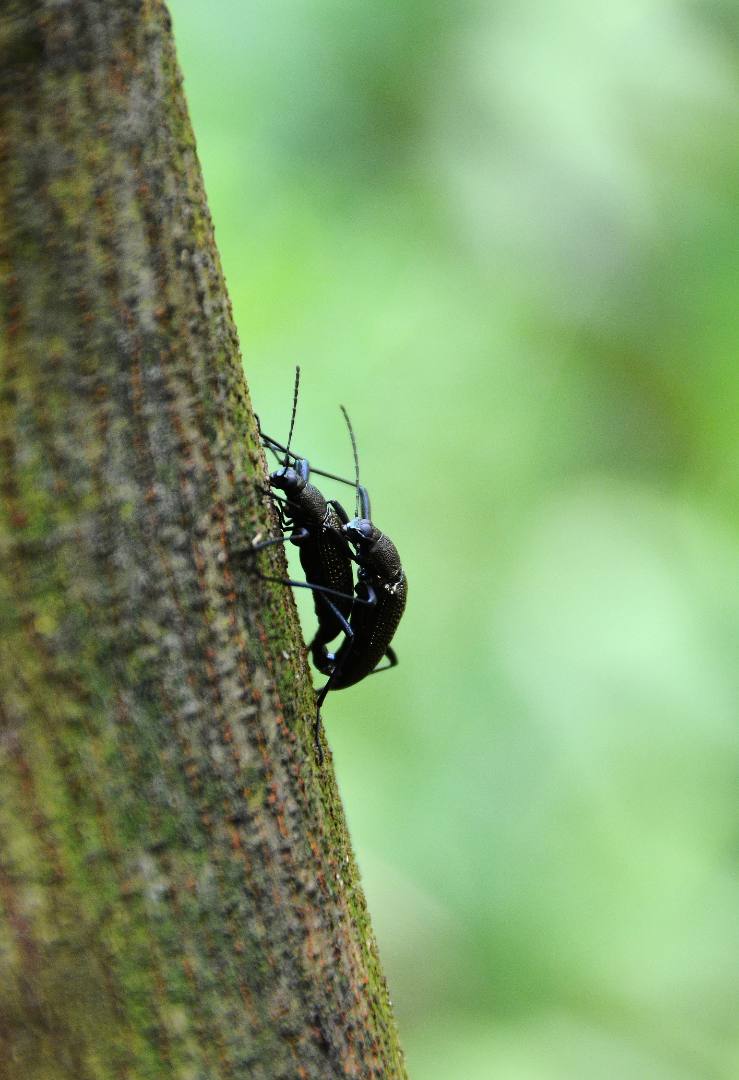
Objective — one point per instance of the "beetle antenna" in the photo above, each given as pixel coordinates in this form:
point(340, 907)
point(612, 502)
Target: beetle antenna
point(356, 455)
point(292, 418)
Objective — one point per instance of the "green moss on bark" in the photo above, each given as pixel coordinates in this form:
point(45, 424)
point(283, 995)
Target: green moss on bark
point(178, 895)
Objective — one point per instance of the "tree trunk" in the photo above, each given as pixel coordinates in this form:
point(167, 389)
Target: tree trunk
point(178, 897)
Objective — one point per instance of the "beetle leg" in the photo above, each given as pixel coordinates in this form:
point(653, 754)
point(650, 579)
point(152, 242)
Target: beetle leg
point(294, 538)
point(341, 512)
point(371, 598)
point(314, 647)
point(322, 589)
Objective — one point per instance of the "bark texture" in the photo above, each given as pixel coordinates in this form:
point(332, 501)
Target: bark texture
point(178, 897)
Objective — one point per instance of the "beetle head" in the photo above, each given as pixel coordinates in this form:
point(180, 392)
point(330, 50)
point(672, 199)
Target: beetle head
point(361, 532)
point(287, 479)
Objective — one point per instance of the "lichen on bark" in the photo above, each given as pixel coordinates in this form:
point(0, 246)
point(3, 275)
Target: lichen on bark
point(178, 896)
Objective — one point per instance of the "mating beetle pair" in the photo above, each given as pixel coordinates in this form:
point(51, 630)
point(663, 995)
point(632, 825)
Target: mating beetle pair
point(329, 543)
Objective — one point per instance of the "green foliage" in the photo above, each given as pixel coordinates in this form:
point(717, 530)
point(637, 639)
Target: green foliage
point(505, 237)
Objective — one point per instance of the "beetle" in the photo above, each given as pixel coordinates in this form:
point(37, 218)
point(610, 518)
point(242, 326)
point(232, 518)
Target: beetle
point(381, 593)
point(316, 529)
point(329, 543)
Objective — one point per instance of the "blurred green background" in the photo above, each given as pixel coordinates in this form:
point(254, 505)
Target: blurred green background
point(506, 236)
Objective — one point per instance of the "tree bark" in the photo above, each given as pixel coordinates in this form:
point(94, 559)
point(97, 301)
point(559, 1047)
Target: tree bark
point(178, 896)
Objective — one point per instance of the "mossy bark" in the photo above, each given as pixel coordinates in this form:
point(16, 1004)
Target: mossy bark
point(178, 897)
